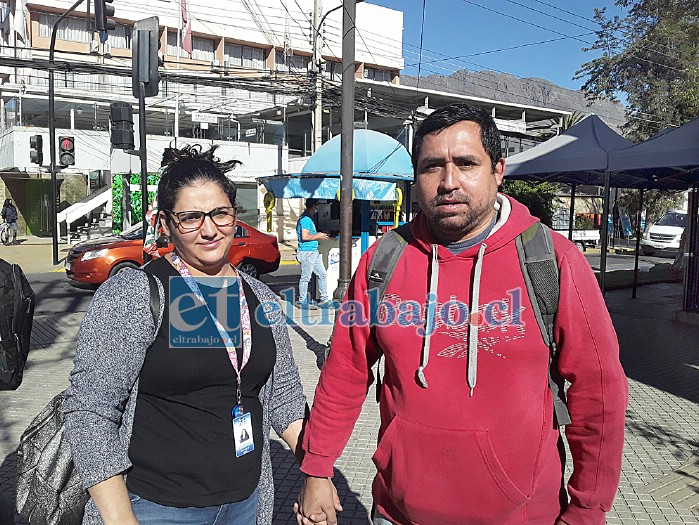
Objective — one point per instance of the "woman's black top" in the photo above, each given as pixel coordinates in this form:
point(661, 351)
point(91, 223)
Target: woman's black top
point(182, 447)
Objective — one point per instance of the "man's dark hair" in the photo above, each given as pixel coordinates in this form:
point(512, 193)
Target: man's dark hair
point(188, 165)
point(447, 116)
point(310, 203)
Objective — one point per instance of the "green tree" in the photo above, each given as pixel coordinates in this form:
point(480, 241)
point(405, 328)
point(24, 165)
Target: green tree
point(655, 202)
point(650, 55)
point(565, 122)
point(539, 197)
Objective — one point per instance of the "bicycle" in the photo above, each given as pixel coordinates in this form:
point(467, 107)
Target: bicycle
point(7, 234)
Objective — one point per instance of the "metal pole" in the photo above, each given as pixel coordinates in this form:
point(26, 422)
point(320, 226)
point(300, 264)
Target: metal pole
point(605, 230)
point(571, 212)
point(346, 149)
point(142, 154)
point(317, 83)
point(690, 255)
point(639, 232)
point(53, 208)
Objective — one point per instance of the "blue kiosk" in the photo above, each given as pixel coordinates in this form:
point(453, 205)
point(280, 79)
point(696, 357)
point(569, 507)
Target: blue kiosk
point(380, 165)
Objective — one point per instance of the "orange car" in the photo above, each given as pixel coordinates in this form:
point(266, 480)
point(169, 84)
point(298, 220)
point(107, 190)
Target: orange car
point(94, 261)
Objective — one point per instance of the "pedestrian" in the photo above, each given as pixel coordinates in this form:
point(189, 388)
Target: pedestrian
point(308, 255)
point(170, 414)
point(467, 431)
point(9, 215)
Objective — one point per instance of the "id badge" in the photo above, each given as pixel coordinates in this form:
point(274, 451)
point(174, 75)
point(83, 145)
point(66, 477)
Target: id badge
point(242, 433)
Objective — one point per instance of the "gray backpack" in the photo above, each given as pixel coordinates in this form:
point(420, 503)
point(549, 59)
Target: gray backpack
point(539, 268)
point(49, 489)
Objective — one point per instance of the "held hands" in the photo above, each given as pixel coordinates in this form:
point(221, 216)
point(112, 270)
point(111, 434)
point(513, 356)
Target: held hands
point(317, 502)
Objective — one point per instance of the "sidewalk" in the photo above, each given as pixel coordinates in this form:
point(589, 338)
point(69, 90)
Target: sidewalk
point(660, 477)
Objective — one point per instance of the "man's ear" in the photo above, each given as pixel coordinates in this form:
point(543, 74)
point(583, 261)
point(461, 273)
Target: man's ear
point(499, 171)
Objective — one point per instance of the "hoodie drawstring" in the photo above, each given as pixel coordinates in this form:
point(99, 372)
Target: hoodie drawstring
point(430, 315)
point(474, 322)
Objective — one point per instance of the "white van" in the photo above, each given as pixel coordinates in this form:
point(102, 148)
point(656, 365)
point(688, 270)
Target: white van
point(663, 237)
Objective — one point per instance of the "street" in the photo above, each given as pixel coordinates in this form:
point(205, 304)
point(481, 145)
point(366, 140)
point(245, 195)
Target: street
point(625, 261)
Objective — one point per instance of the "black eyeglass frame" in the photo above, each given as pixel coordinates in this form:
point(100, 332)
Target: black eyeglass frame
point(233, 211)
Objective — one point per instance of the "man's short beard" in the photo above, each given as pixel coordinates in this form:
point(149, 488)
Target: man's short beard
point(461, 225)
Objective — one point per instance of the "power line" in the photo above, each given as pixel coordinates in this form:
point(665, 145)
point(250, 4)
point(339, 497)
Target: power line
point(422, 34)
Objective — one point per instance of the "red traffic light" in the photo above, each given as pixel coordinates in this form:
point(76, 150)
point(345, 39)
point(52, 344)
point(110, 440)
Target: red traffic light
point(66, 151)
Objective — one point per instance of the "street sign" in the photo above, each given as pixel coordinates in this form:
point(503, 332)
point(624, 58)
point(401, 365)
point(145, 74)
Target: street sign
point(250, 132)
point(209, 118)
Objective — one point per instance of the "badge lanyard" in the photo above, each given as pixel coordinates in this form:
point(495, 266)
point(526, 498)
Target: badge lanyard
point(244, 321)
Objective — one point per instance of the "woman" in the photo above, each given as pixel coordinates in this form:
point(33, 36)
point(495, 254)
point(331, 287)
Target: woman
point(183, 407)
point(9, 215)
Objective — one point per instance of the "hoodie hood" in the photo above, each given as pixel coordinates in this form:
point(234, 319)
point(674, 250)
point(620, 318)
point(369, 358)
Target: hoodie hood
point(513, 219)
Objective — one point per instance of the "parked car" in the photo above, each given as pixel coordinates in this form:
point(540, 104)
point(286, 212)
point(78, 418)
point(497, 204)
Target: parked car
point(663, 237)
point(94, 261)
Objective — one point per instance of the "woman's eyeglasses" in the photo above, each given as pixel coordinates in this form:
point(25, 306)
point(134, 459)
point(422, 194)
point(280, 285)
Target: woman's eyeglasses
point(189, 221)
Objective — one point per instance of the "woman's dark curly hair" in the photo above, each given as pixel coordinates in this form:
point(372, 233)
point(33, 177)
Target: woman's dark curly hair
point(185, 166)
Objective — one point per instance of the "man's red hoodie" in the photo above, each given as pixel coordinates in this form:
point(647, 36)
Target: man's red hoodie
point(483, 449)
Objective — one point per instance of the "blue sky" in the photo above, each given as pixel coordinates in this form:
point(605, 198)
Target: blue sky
point(478, 32)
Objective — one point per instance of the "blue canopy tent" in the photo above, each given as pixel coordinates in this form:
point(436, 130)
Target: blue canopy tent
point(379, 163)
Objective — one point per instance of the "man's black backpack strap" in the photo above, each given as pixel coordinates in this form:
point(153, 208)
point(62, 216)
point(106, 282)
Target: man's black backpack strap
point(389, 248)
point(540, 272)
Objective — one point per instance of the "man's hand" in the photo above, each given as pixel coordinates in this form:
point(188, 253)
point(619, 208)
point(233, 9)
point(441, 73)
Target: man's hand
point(317, 502)
point(322, 236)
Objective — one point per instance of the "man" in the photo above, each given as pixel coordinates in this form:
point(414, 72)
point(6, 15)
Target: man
point(467, 422)
point(308, 255)
point(9, 215)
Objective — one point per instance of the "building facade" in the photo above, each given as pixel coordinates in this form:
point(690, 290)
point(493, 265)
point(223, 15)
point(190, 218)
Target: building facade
point(236, 73)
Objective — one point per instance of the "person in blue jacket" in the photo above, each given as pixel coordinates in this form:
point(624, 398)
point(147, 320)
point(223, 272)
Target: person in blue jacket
point(308, 255)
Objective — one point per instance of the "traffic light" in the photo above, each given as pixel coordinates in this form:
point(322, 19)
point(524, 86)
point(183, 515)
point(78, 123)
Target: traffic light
point(66, 151)
point(121, 118)
point(146, 42)
point(36, 149)
point(103, 10)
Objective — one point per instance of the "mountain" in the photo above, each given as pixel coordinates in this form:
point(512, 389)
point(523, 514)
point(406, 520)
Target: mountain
point(529, 91)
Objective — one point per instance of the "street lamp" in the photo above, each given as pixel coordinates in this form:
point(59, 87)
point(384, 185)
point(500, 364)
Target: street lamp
point(316, 72)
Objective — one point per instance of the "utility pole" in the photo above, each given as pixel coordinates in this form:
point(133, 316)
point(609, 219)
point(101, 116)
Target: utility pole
point(346, 148)
point(53, 209)
point(316, 77)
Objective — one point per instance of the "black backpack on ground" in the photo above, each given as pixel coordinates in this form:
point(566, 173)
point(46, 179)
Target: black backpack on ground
point(16, 316)
point(540, 270)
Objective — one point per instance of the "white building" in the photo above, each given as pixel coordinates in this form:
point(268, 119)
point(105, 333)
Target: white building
point(246, 85)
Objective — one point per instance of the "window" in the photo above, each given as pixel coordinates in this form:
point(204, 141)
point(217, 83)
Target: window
point(379, 75)
point(291, 63)
point(172, 45)
point(203, 49)
point(333, 70)
point(244, 56)
point(70, 29)
point(120, 37)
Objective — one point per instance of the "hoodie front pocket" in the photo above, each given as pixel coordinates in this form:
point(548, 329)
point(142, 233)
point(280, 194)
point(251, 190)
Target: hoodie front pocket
point(444, 476)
